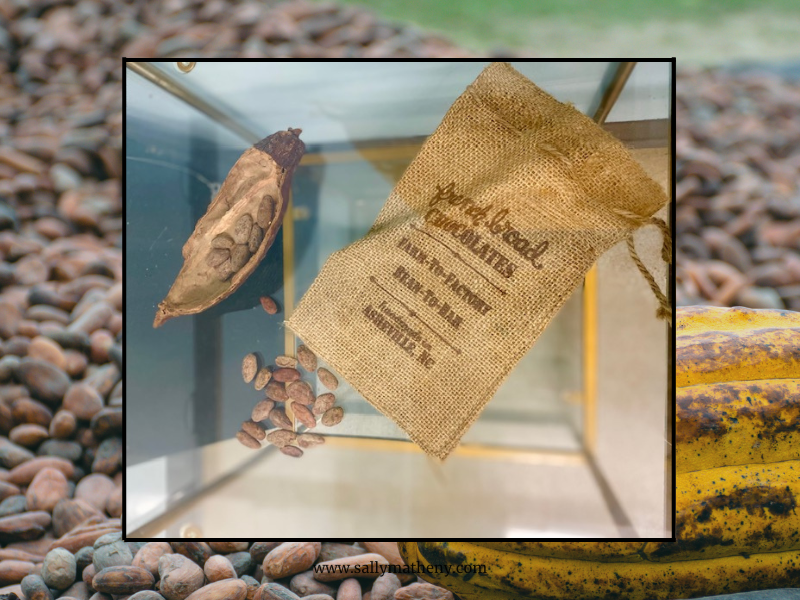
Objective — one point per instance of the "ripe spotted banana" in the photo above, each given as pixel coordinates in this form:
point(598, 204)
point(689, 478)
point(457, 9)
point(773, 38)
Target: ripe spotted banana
point(694, 319)
point(736, 344)
point(734, 510)
point(599, 551)
point(510, 575)
point(737, 423)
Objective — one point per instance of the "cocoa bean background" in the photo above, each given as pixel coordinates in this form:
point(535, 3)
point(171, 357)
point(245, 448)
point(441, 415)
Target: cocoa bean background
point(61, 288)
point(233, 571)
point(738, 202)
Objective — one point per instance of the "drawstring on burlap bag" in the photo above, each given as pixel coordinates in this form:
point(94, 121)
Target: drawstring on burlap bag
point(486, 235)
point(664, 311)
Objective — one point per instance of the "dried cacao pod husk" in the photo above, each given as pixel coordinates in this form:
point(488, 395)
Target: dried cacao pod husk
point(257, 186)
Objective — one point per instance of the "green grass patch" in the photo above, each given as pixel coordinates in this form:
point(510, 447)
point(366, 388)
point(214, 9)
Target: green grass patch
point(489, 23)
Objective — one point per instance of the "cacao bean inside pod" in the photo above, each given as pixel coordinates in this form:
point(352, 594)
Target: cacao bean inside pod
point(241, 231)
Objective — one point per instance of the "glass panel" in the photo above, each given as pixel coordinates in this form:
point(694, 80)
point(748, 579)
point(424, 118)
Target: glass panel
point(188, 395)
point(646, 96)
point(338, 102)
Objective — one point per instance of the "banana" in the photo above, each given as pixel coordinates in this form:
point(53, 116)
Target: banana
point(718, 356)
point(699, 319)
point(736, 344)
point(737, 423)
point(599, 551)
point(733, 510)
point(511, 575)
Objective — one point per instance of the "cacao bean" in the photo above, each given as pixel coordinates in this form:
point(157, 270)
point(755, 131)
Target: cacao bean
point(225, 270)
point(255, 239)
point(266, 212)
point(59, 568)
point(223, 240)
point(279, 418)
point(48, 488)
point(227, 589)
point(262, 409)
point(303, 414)
point(290, 558)
point(263, 377)
point(247, 440)
point(423, 591)
point(332, 416)
point(148, 556)
point(303, 584)
point(292, 451)
point(274, 591)
point(323, 403)
point(281, 437)
point(249, 367)
point(307, 359)
point(254, 430)
point(300, 392)
point(240, 254)
point(241, 231)
point(286, 361)
point(349, 589)
point(218, 256)
point(276, 391)
point(14, 571)
point(218, 568)
point(286, 375)
point(306, 440)
point(384, 587)
point(327, 378)
point(122, 580)
point(179, 576)
point(269, 305)
point(242, 562)
point(34, 588)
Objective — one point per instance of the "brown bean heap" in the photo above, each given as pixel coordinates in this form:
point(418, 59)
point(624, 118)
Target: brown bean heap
point(60, 416)
point(60, 285)
point(60, 321)
point(285, 390)
point(738, 194)
point(110, 567)
point(298, 28)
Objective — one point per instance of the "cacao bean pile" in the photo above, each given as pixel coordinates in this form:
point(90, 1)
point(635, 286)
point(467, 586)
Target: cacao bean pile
point(60, 285)
point(110, 567)
point(84, 33)
point(288, 395)
point(738, 200)
point(257, 29)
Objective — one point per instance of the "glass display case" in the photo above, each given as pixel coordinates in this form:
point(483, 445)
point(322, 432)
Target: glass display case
point(576, 443)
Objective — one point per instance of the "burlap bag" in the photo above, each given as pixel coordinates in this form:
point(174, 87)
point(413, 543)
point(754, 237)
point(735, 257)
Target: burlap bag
point(487, 233)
